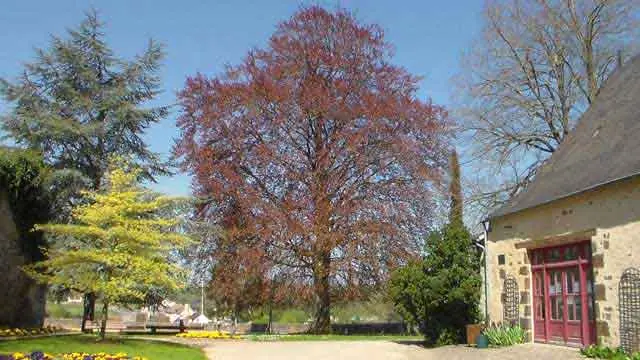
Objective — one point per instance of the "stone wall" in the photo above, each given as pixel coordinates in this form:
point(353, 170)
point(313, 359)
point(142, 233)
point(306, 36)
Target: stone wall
point(22, 302)
point(608, 216)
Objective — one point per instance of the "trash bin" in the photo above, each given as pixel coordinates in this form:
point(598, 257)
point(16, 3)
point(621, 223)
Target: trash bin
point(482, 341)
point(473, 331)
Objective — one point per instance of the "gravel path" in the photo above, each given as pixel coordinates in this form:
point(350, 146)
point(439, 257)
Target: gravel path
point(376, 350)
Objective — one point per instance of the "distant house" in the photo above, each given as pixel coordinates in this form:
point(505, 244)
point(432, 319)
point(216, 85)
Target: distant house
point(563, 255)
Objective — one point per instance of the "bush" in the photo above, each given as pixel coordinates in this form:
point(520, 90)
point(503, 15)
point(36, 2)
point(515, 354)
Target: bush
point(505, 335)
point(603, 352)
point(441, 293)
point(447, 337)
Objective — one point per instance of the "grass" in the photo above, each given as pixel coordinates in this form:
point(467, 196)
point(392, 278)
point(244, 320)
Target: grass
point(154, 350)
point(375, 309)
point(287, 316)
point(335, 337)
point(63, 311)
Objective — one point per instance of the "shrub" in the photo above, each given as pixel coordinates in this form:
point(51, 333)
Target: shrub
point(440, 294)
point(505, 335)
point(447, 337)
point(603, 352)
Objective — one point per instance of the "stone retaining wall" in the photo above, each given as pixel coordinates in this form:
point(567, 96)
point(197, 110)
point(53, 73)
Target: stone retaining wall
point(22, 301)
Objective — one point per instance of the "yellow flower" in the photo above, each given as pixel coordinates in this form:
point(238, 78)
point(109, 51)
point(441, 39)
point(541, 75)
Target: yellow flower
point(208, 335)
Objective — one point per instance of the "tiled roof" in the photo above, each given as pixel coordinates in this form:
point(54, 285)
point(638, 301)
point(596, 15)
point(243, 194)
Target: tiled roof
point(603, 148)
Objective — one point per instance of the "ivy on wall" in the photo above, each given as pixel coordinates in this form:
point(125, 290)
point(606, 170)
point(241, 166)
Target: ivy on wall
point(22, 181)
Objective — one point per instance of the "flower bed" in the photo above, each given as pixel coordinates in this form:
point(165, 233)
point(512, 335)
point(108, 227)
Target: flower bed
point(37, 355)
point(207, 335)
point(29, 332)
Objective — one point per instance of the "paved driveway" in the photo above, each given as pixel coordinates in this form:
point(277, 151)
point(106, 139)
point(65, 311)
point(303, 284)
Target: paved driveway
point(376, 350)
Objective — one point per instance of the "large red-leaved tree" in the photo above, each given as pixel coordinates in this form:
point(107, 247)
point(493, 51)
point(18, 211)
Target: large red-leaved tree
point(316, 155)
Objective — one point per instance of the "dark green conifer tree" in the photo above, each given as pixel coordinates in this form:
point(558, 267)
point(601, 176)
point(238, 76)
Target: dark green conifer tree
point(78, 104)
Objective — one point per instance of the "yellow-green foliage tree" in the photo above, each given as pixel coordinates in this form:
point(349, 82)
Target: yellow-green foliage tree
point(118, 245)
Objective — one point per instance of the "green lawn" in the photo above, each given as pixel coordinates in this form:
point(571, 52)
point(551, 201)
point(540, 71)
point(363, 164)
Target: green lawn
point(64, 311)
point(153, 350)
point(305, 337)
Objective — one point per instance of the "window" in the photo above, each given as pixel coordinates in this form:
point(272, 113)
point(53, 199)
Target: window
point(501, 260)
point(555, 294)
point(574, 300)
point(538, 293)
point(556, 308)
point(571, 253)
point(553, 255)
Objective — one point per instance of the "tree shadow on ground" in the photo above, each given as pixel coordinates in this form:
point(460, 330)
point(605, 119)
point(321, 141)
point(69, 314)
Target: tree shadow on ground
point(425, 344)
point(420, 343)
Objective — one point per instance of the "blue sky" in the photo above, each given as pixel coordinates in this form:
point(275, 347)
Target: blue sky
point(202, 36)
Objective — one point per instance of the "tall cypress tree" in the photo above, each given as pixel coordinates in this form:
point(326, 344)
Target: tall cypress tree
point(455, 190)
point(79, 104)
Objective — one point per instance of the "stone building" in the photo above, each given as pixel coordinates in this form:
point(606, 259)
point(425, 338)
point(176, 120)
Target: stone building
point(563, 255)
point(22, 301)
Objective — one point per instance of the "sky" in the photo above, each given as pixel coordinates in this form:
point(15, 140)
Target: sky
point(429, 37)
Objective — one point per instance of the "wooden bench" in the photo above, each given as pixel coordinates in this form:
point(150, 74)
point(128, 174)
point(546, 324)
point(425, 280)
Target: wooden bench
point(154, 327)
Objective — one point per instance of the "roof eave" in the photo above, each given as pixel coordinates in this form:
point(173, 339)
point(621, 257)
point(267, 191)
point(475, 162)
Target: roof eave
point(497, 214)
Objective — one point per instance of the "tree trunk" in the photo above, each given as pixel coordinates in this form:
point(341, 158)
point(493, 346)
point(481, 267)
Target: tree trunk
point(270, 323)
point(88, 310)
point(322, 322)
point(105, 315)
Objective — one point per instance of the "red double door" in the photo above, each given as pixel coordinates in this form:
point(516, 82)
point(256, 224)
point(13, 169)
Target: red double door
point(563, 294)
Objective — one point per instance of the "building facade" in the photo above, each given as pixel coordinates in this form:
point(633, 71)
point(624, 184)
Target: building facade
point(563, 256)
point(567, 259)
